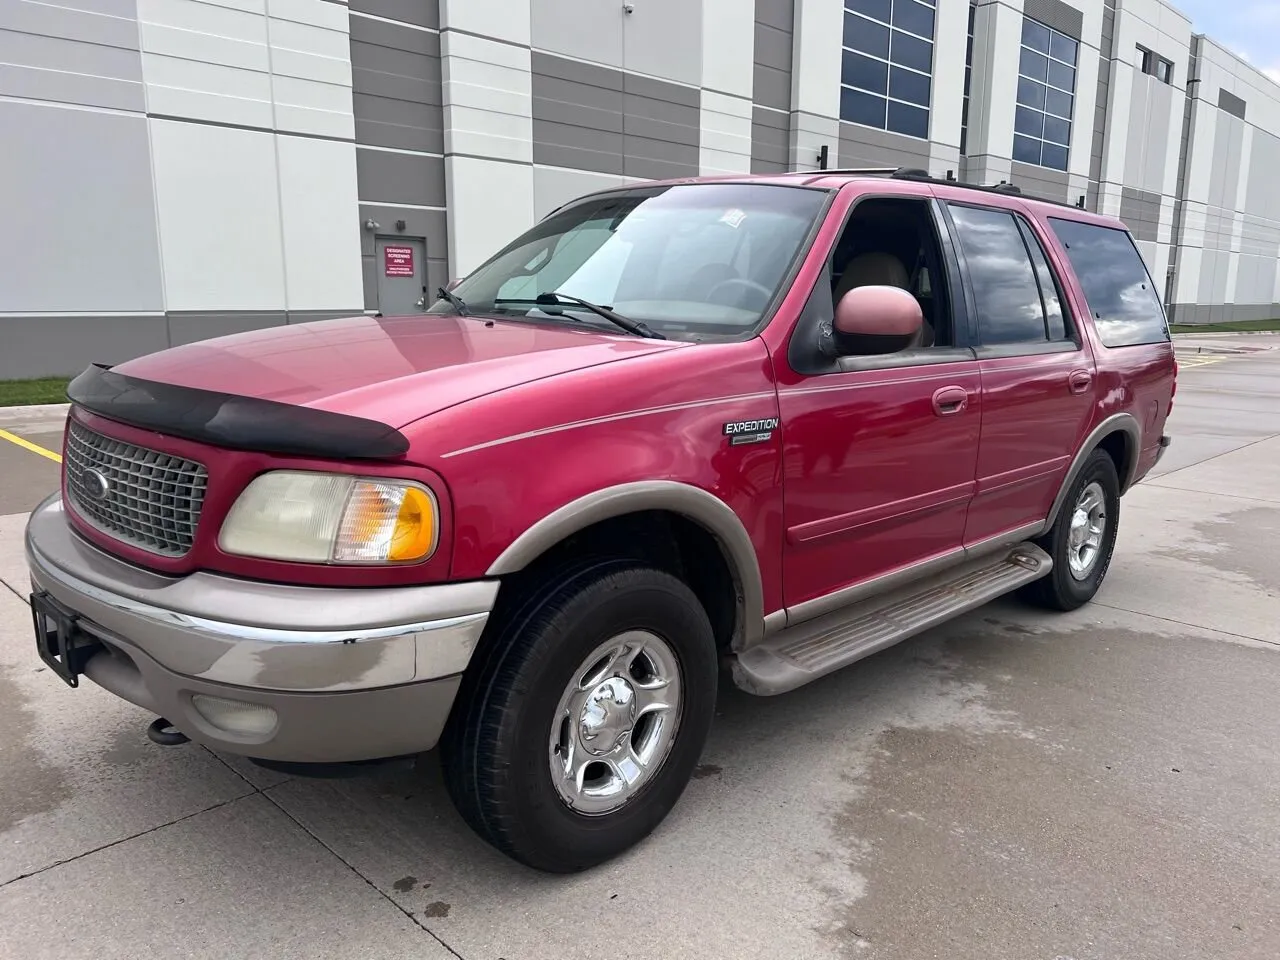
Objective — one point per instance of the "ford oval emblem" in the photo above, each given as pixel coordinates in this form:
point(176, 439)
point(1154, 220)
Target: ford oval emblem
point(96, 485)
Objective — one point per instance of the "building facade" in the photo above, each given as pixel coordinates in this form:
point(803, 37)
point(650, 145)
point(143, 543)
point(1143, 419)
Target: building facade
point(179, 169)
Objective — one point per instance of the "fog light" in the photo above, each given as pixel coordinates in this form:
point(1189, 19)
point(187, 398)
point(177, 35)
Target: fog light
point(235, 716)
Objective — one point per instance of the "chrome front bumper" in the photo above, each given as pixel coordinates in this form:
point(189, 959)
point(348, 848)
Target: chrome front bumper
point(352, 674)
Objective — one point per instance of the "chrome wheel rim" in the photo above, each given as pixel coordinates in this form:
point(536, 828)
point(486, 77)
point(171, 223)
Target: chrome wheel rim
point(1088, 528)
point(615, 723)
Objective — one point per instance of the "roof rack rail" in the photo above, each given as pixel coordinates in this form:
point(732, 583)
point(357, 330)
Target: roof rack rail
point(920, 174)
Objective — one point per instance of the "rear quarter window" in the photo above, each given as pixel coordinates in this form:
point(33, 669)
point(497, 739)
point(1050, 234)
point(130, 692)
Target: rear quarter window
point(1126, 310)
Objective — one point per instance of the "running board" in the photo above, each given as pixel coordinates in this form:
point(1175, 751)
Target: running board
point(796, 655)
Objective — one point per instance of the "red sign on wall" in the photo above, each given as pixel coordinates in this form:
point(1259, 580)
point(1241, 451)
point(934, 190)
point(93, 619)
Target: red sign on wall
point(397, 261)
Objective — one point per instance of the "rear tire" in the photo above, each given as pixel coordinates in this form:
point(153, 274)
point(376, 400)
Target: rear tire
point(547, 699)
point(1082, 539)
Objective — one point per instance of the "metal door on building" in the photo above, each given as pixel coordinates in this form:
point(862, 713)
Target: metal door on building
point(402, 276)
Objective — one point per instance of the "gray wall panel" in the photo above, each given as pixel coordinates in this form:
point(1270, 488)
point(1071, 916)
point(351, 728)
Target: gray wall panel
point(1054, 13)
point(589, 117)
point(382, 34)
point(863, 146)
point(78, 229)
point(1231, 103)
point(397, 98)
point(191, 327)
point(771, 85)
point(399, 178)
point(606, 103)
point(658, 160)
point(63, 346)
point(779, 14)
point(773, 46)
point(770, 141)
point(425, 13)
point(589, 73)
point(655, 89)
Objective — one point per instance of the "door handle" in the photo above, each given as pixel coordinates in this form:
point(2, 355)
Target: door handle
point(949, 401)
point(1080, 381)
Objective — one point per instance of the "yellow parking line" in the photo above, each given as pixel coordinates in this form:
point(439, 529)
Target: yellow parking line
point(28, 445)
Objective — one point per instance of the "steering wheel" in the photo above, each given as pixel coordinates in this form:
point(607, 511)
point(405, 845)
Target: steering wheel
point(742, 284)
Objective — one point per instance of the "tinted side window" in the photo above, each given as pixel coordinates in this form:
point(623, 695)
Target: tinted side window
point(1054, 323)
point(1005, 290)
point(1121, 296)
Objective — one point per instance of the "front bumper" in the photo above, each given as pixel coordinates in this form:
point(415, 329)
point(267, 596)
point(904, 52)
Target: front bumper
point(351, 674)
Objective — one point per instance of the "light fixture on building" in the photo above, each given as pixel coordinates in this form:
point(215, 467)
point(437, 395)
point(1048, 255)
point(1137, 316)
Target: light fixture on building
point(400, 225)
point(372, 224)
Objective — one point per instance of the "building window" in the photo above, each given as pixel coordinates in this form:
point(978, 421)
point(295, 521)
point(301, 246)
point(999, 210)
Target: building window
point(1046, 96)
point(968, 79)
point(886, 70)
point(1154, 65)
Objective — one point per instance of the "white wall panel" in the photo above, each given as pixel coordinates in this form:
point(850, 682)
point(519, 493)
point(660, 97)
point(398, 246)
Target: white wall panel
point(219, 214)
point(951, 37)
point(489, 203)
point(502, 19)
point(554, 186)
point(725, 135)
point(728, 44)
point(321, 236)
point(815, 58)
point(311, 67)
point(488, 98)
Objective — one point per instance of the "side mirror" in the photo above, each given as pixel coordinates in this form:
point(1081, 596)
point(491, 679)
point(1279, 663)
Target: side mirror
point(874, 320)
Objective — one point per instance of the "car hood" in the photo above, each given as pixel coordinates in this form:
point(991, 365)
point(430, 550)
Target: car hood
point(391, 369)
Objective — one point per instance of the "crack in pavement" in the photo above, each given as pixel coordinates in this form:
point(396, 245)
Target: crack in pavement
point(116, 843)
point(1186, 623)
point(333, 853)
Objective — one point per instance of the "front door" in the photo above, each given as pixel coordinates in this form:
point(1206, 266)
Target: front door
point(880, 450)
point(401, 266)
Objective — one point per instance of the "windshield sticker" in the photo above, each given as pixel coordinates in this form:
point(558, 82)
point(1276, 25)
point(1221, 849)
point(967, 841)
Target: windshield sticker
point(734, 217)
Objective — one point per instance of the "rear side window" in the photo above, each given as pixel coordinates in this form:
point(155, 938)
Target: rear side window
point(1121, 296)
point(1012, 305)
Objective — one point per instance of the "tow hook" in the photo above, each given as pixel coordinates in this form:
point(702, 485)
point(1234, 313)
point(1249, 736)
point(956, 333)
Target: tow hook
point(165, 733)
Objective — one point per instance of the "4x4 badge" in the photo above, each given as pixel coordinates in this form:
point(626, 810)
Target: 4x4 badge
point(750, 431)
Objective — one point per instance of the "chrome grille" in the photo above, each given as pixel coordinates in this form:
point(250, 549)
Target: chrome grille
point(141, 496)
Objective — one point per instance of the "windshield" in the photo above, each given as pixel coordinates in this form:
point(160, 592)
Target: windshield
point(693, 261)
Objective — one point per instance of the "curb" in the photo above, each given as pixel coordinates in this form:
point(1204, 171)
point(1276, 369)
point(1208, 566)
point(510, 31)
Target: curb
point(1227, 333)
point(33, 412)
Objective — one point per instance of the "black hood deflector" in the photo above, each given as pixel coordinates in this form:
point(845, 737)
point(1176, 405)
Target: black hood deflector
point(228, 420)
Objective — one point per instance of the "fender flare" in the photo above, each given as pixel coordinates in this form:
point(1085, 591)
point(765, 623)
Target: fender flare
point(705, 509)
point(1117, 423)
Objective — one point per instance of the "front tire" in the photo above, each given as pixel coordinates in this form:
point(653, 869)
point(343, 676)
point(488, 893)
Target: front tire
point(582, 725)
point(1082, 539)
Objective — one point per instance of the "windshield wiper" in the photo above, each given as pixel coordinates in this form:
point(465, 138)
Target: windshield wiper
point(454, 301)
point(636, 327)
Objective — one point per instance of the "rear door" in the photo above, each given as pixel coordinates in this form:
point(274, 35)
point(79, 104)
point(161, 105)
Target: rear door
point(1038, 377)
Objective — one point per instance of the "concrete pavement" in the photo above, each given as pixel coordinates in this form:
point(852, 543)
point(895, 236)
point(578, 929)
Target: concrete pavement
point(1096, 786)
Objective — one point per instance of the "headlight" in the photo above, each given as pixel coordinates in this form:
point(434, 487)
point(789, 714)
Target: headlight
point(331, 518)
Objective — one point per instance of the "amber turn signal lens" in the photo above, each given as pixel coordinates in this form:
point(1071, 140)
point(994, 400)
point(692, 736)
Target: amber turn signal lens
point(415, 531)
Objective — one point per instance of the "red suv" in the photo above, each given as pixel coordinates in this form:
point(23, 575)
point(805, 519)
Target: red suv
point(771, 423)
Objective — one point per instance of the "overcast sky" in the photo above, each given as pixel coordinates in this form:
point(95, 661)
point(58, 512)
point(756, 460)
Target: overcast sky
point(1251, 28)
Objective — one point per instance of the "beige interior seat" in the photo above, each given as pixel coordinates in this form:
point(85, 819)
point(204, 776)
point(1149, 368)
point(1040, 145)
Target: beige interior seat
point(879, 269)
